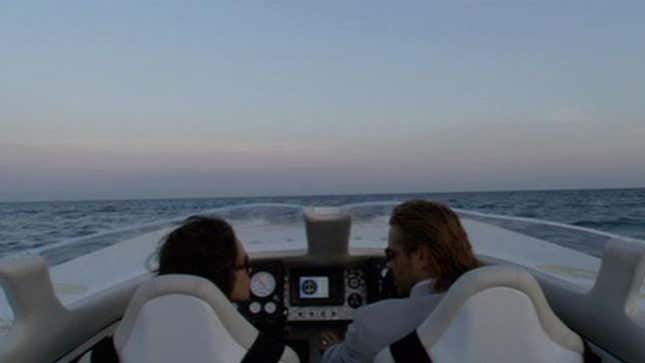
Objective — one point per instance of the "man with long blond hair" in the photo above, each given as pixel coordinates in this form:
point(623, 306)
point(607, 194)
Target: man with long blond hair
point(428, 250)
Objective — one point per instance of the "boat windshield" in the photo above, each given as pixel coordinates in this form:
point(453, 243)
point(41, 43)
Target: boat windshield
point(280, 226)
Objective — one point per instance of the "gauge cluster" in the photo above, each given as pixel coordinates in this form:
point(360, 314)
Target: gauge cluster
point(267, 301)
point(297, 293)
point(325, 294)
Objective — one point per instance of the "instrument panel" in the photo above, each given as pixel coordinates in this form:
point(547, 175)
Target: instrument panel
point(325, 294)
point(266, 301)
point(297, 293)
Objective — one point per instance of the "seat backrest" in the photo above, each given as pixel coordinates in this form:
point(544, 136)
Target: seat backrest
point(174, 318)
point(494, 314)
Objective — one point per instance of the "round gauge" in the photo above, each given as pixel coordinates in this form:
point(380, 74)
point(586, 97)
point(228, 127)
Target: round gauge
point(354, 283)
point(262, 284)
point(270, 307)
point(255, 307)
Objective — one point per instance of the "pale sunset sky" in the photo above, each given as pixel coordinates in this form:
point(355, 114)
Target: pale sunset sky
point(164, 99)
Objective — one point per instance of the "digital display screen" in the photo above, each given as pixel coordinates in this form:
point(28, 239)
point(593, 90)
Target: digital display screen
point(316, 286)
point(313, 287)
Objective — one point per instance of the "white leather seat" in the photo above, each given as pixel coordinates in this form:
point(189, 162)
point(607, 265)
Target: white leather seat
point(494, 314)
point(182, 318)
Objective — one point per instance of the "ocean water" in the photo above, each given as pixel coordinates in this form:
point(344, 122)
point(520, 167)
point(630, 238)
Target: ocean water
point(68, 229)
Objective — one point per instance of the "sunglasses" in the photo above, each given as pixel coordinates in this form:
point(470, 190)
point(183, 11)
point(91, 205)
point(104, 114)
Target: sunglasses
point(246, 265)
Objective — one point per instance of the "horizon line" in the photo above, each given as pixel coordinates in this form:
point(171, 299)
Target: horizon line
point(82, 200)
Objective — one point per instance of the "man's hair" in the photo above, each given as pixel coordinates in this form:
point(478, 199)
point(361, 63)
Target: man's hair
point(201, 246)
point(432, 224)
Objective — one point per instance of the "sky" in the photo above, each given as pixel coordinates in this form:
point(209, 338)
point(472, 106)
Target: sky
point(154, 99)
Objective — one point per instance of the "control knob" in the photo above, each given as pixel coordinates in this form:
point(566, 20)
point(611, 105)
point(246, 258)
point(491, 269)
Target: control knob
point(354, 300)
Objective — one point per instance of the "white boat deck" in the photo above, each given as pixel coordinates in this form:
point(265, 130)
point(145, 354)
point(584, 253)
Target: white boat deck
point(89, 274)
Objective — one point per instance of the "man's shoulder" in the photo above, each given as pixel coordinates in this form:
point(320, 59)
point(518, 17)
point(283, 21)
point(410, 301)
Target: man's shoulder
point(379, 306)
point(394, 307)
point(379, 324)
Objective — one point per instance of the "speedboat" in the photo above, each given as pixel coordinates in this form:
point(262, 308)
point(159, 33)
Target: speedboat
point(312, 268)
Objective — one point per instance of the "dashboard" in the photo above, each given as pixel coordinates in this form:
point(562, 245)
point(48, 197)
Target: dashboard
point(297, 300)
point(294, 293)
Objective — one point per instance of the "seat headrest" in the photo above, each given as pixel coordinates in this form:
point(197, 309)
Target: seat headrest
point(190, 313)
point(490, 314)
point(483, 278)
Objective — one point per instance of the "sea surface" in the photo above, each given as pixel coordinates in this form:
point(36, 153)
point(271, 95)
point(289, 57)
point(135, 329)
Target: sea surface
point(68, 229)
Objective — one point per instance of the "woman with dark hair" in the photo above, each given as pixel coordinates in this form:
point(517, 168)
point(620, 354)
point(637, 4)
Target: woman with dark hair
point(202, 246)
point(207, 247)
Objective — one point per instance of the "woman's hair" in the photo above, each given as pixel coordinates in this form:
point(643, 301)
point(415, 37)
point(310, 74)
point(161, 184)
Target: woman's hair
point(431, 224)
point(201, 246)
